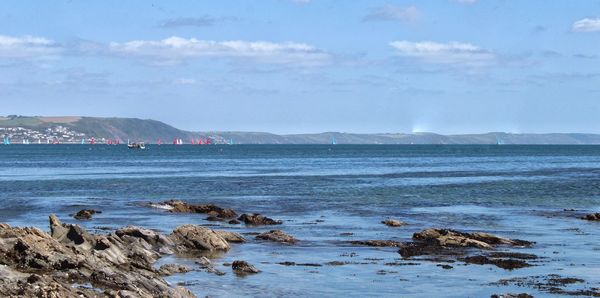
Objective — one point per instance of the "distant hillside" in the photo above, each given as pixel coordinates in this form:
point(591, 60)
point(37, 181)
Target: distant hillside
point(151, 130)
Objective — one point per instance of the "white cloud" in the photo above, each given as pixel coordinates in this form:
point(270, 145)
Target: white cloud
point(174, 50)
point(586, 25)
point(28, 47)
point(393, 13)
point(451, 53)
point(466, 1)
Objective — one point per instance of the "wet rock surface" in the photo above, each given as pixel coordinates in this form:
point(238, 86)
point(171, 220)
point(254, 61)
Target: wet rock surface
point(553, 284)
point(85, 214)
point(377, 243)
point(277, 236)
point(393, 223)
point(446, 244)
point(257, 219)
point(243, 268)
point(511, 295)
point(184, 207)
point(592, 217)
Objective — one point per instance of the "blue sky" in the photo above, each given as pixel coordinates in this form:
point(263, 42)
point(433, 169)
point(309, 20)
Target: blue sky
point(290, 66)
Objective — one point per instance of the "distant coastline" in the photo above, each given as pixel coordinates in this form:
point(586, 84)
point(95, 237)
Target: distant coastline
point(77, 130)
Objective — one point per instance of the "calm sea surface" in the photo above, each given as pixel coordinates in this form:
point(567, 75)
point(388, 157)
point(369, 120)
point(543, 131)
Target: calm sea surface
point(321, 191)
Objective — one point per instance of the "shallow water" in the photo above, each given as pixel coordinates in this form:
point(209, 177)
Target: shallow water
point(514, 191)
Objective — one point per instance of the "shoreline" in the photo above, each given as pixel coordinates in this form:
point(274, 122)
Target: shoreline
point(33, 257)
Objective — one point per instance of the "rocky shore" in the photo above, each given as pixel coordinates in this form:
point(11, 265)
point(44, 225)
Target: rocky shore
point(69, 261)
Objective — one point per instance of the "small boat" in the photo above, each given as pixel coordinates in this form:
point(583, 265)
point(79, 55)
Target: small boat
point(136, 145)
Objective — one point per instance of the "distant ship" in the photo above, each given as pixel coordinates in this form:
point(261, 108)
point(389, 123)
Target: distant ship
point(333, 141)
point(6, 141)
point(499, 141)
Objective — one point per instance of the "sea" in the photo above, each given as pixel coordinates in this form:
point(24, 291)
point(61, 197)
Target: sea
point(328, 195)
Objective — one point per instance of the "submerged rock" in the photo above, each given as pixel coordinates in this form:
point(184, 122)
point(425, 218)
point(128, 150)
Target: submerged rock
point(592, 217)
point(508, 264)
point(377, 243)
point(234, 222)
point(85, 214)
point(277, 236)
point(257, 219)
point(511, 295)
point(243, 268)
point(393, 223)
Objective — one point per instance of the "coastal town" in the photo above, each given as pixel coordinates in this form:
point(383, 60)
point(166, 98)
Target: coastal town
point(51, 135)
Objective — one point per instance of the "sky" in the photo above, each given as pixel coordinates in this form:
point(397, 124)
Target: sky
point(300, 66)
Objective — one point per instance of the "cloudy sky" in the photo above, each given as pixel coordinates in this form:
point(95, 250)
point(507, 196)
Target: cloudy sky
point(288, 66)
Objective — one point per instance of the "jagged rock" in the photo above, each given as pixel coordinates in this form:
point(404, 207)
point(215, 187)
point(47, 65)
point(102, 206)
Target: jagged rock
point(190, 238)
point(231, 236)
point(170, 269)
point(277, 236)
point(243, 268)
point(183, 207)
point(393, 223)
point(151, 237)
point(592, 217)
point(4, 226)
point(70, 234)
point(85, 214)
point(377, 243)
point(56, 263)
point(257, 219)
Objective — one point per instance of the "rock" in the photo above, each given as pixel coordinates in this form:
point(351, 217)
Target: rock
point(592, 217)
point(508, 264)
point(183, 207)
point(451, 238)
point(377, 243)
point(151, 237)
point(243, 268)
point(38, 264)
point(170, 269)
point(85, 214)
point(277, 236)
point(4, 226)
point(511, 295)
point(70, 234)
point(231, 236)
point(257, 219)
point(445, 266)
point(192, 238)
point(393, 223)
point(234, 222)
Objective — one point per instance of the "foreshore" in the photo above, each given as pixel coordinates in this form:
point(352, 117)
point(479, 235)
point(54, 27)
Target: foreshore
point(69, 261)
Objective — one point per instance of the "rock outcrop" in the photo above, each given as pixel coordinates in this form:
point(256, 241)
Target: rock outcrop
point(243, 268)
point(455, 245)
point(183, 207)
point(277, 236)
point(119, 264)
point(257, 219)
point(85, 214)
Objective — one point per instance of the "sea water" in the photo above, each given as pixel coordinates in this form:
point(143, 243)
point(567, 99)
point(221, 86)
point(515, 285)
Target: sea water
point(323, 193)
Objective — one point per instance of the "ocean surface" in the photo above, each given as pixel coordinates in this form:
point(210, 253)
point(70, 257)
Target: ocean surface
point(322, 192)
